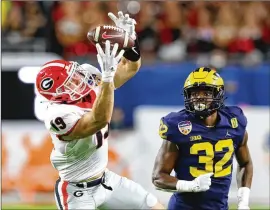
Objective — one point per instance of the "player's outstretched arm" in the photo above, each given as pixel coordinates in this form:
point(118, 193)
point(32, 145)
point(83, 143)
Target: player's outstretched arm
point(102, 109)
point(244, 173)
point(131, 61)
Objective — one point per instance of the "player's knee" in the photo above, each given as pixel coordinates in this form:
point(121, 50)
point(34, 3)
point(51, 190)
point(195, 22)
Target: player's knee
point(150, 202)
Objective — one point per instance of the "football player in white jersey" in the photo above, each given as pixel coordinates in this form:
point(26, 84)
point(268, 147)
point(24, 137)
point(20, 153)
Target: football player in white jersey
point(80, 107)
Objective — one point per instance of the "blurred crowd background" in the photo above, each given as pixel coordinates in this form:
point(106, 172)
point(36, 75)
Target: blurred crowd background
point(167, 30)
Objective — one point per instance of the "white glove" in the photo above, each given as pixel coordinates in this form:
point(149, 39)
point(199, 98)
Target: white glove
point(200, 184)
point(108, 61)
point(243, 198)
point(124, 22)
point(243, 207)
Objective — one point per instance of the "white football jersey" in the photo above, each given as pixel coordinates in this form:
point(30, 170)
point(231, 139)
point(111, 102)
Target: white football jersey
point(80, 159)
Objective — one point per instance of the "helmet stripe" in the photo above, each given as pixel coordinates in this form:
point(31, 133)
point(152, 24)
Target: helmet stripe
point(54, 65)
point(201, 69)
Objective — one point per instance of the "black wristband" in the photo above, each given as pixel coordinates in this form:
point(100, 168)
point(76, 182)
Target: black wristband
point(133, 54)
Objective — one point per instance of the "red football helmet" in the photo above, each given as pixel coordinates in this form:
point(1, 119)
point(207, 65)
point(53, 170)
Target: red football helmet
point(65, 81)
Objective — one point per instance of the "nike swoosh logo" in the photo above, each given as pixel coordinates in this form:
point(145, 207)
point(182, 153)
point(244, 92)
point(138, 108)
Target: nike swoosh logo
point(106, 36)
point(133, 49)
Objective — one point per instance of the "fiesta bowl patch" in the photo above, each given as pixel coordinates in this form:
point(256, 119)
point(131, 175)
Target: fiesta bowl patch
point(185, 127)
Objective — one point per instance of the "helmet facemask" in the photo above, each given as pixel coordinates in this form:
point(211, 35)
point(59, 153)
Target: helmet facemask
point(79, 82)
point(203, 100)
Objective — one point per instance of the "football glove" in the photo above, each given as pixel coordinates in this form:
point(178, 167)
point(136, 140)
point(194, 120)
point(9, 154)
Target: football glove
point(242, 207)
point(200, 184)
point(124, 22)
point(243, 198)
point(108, 61)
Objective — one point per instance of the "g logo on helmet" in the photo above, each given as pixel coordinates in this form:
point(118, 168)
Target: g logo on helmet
point(46, 83)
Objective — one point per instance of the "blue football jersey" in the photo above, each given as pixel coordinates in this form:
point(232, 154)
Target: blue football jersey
point(204, 150)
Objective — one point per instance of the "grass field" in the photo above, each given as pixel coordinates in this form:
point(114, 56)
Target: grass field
point(49, 207)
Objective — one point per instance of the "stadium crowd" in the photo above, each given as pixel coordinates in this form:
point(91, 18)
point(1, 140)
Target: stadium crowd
point(167, 30)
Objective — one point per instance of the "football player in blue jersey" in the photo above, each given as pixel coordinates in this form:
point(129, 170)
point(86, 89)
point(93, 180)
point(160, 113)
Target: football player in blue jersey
point(199, 145)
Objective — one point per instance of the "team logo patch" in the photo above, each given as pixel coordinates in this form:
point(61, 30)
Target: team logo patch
point(46, 83)
point(234, 122)
point(78, 193)
point(185, 127)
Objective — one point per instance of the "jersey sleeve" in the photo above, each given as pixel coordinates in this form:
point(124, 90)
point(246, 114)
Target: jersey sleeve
point(240, 118)
point(243, 124)
point(165, 128)
point(239, 122)
point(62, 123)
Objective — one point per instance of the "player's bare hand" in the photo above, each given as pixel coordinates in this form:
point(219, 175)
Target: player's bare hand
point(202, 182)
point(124, 22)
point(108, 60)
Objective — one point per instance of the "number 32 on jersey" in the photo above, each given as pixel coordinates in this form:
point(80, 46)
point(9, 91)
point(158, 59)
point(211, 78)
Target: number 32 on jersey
point(207, 159)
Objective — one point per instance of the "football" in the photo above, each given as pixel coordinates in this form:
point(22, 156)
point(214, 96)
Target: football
point(112, 33)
